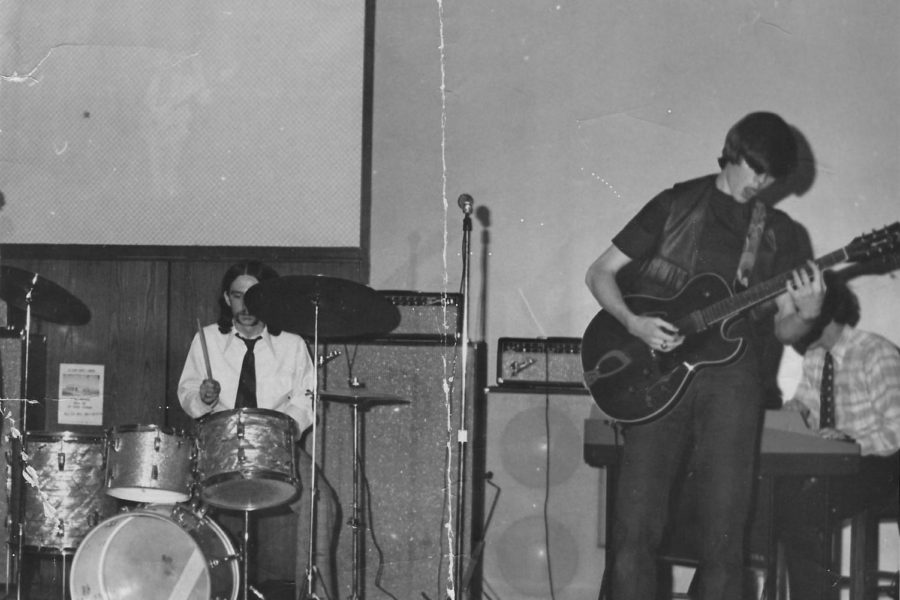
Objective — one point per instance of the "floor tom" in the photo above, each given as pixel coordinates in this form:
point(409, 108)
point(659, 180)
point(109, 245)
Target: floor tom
point(60, 475)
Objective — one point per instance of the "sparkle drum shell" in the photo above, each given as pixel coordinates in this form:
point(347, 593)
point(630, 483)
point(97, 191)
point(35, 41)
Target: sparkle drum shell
point(149, 464)
point(68, 499)
point(245, 459)
point(165, 552)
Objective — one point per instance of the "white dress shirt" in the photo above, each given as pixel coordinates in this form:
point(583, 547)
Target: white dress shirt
point(284, 374)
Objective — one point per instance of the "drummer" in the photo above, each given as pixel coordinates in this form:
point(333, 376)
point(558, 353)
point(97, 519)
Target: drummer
point(284, 375)
point(284, 371)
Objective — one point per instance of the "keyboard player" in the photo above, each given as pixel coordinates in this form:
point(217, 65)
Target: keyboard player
point(856, 397)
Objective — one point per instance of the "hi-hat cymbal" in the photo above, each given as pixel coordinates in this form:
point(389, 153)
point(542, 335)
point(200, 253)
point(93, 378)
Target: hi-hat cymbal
point(346, 309)
point(48, 301)
point(360, 397)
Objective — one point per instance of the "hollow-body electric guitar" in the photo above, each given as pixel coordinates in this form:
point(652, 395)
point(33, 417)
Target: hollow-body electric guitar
point(632, 383)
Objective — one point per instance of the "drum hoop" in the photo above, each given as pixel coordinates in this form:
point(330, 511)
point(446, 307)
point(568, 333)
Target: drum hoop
point(166, 512)
point(266, 412)
point(140, 428)
point(204, 520)
point(61, 436)
point(49, 550)
point(242, 474)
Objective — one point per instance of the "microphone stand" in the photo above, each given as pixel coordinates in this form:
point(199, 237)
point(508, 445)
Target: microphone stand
point(311, 568)
point(465, 203)
point(20, 496)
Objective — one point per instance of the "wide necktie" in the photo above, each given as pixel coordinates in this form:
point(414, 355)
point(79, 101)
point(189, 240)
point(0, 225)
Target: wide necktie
point(246, 391)
point(826, 394)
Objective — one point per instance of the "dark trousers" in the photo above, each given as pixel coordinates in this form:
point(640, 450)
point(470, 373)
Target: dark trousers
point(808, 510)
point(715, 425)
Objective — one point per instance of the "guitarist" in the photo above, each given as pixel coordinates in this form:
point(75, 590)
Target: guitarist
point(712, 224)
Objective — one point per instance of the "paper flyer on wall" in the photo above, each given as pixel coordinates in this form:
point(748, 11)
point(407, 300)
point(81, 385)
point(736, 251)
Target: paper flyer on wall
point(80, 394)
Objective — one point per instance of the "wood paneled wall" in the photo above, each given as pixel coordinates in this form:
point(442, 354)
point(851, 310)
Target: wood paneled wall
point(143, 315)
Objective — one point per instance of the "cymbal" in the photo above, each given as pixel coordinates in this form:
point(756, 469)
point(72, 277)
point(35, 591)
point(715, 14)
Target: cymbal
point(49, 301)
point(360, 397)
point(346, 309)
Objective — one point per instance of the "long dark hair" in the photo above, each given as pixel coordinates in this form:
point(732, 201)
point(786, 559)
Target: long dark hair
point(840, 305)
point(253, 268)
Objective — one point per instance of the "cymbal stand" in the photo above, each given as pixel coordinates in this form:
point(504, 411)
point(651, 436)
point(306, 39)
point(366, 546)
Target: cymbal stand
point(356, 523)
point(19, 524)
point(244, 558)
point(313, 485)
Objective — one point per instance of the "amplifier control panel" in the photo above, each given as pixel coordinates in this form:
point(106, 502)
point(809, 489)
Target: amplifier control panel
point(553, 362)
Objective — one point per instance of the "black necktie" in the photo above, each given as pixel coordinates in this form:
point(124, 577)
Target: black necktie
point(826, 394)
point(246, 391)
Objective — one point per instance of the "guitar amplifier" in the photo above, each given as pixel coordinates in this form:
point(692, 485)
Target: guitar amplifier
point(426, 316)
point(540, 362)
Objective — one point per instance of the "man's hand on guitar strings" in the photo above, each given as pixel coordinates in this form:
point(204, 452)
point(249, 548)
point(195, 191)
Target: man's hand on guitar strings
point(807, 290)
point(657, 333)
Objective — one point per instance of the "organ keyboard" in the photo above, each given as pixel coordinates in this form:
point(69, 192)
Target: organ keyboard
point(787, 447)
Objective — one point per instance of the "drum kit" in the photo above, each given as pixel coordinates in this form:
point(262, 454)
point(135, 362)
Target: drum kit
point(161, 540)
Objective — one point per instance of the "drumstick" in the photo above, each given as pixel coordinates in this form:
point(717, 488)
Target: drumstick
point(205, 349)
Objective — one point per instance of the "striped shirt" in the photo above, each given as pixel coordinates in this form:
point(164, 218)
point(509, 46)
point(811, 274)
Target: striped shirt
point(866, 389)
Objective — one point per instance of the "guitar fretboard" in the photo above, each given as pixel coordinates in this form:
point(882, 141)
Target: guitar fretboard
point(734, 305)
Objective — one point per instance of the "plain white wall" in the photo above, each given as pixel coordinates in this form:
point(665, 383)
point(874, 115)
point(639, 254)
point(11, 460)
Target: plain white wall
point(205, 122)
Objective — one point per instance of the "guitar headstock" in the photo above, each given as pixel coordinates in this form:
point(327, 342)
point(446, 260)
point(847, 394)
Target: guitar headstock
point(879, 243)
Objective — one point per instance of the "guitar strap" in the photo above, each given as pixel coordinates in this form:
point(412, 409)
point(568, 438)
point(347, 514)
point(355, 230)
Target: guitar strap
point(751, 243)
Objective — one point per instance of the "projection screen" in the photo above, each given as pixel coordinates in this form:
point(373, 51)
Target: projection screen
point(203, 122)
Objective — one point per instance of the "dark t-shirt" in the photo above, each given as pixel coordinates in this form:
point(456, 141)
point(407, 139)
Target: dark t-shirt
point(723, 235)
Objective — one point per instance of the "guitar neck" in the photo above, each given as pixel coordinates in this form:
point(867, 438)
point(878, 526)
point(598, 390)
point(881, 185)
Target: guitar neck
point(734, 305)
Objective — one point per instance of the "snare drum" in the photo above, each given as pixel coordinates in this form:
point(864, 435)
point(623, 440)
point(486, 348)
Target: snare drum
point(67, 499)
point(159, 551)
point(245, 458)
point(147, 463)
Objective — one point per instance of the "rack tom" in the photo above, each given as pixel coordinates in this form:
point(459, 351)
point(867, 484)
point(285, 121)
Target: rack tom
point(149, 464)
point(245, 459)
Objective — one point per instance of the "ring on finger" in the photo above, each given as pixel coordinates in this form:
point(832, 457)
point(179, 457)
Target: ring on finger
point(664, 345)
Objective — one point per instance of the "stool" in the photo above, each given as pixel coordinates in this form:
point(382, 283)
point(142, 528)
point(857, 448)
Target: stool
point(865, 581)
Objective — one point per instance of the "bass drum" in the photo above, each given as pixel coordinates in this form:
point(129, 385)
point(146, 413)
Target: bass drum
point(160, 551)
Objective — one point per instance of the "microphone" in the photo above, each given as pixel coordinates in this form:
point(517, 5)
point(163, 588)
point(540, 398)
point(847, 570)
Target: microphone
point(465, 203)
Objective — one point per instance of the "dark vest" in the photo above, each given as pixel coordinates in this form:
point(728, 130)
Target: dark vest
point(674, 261)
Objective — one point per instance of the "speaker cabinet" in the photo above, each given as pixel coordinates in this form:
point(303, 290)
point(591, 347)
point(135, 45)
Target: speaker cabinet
point(544, 517)
point(409, 448)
